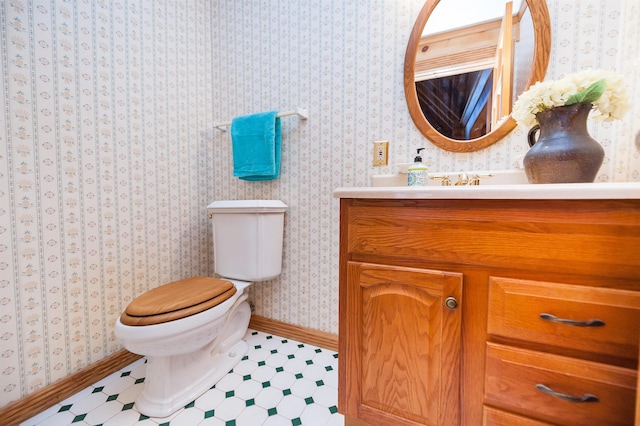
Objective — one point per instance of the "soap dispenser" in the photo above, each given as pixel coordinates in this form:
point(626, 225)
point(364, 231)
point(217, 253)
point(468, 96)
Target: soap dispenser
point(417, 171)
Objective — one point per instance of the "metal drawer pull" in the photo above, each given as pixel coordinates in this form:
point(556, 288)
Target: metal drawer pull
point(590, 323)
point(587, 397)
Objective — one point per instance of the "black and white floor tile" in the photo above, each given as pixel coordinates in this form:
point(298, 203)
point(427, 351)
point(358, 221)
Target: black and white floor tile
point(280, 382)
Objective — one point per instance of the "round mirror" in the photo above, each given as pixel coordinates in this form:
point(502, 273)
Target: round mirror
point(460, 82)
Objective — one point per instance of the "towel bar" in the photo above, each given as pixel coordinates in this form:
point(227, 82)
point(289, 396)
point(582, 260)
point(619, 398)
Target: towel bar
point(300, 112)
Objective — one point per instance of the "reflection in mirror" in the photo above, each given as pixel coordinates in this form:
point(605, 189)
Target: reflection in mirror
point(462, 79)
point(463, 73)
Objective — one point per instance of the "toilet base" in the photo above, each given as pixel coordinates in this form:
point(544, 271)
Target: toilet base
point(172, 382)
point(152, 405)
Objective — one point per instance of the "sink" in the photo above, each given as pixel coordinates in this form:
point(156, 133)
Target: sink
point(499, 177)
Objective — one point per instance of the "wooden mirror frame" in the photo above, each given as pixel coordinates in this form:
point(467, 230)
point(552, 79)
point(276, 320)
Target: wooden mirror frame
point(542, 49)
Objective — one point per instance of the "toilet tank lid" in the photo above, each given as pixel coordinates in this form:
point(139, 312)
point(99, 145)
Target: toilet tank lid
point(247, 206)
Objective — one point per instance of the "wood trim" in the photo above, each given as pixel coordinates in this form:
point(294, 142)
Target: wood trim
point(457, 51)
point(38, 401)
point(352, 421)
point(295, 332)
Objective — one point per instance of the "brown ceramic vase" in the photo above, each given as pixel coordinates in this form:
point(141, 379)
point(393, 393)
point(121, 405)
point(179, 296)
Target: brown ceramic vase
point(564, 151)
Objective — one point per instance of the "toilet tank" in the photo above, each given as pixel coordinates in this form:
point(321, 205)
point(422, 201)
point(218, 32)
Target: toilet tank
point(247, 238)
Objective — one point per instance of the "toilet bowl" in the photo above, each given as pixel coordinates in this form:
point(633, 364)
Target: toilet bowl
point(191, 330)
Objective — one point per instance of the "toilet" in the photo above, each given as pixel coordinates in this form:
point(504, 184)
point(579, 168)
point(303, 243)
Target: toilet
point(191, 330)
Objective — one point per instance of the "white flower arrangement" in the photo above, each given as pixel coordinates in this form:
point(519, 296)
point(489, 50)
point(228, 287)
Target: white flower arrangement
point(605, 89)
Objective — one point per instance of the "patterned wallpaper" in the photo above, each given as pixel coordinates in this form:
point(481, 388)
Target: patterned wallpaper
point(104, 172)
point(108, 157)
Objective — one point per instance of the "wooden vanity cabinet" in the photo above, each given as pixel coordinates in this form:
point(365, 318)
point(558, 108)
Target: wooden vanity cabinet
point(489, 312)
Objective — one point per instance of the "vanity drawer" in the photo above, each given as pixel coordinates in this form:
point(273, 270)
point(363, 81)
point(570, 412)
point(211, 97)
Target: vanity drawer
point(494, 417)
point(592, 319)
point(514, 377)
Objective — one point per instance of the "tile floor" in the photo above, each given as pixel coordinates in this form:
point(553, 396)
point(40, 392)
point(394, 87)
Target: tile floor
point(280, 382)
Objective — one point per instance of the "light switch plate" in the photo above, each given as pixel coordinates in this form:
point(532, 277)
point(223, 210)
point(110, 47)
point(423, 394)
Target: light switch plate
point(380, 153)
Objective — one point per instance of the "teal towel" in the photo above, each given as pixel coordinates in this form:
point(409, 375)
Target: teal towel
point(256, 140)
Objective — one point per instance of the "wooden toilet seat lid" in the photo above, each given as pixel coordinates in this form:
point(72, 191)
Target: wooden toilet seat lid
point(176, 300)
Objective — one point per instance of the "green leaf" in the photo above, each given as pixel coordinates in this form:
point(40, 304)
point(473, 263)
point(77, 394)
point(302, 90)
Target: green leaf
point(590, 94)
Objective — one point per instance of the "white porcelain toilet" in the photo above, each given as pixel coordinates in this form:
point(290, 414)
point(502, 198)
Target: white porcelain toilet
point(191, 330)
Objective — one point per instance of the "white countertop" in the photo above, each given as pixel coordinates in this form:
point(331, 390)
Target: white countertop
point(558, 191)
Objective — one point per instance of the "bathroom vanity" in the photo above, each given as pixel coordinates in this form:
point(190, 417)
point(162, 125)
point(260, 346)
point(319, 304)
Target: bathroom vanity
point(503, 305)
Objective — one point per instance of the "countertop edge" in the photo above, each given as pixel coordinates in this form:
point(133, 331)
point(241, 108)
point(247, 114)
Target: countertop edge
point(561, 191)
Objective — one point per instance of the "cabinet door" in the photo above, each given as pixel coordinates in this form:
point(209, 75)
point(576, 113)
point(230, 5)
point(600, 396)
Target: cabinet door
point(401, 354)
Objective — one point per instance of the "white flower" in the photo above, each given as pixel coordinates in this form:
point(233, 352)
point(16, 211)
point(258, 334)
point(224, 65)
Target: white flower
point(612, 104)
